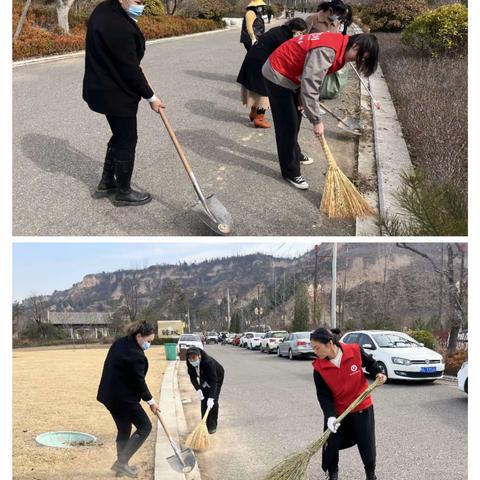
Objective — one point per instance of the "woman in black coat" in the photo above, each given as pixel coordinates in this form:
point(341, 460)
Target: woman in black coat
point(122, 387)
point(254, 93)
point(113, 85)
point(206, 375)
point(339, 380)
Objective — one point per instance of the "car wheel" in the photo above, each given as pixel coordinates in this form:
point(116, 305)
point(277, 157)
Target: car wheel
point(268, 350)
point(279, 355)
point(383, 368)
point(290, 355)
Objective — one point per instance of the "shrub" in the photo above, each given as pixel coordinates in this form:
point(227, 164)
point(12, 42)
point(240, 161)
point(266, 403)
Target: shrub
point(454, 361)
point(164, 340)
point(391, 15)
point(154, 8)
point(440, 31)
point(425, 337)
point(213, 9)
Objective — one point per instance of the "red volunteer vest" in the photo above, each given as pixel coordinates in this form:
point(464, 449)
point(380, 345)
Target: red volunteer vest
point(289, 58)
point(346, 382)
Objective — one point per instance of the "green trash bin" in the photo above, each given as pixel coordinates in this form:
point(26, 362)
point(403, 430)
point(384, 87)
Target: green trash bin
point(171, 351)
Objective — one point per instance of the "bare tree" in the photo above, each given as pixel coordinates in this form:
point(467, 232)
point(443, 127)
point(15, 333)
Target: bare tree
point(17, 312)
point(21, 22)
point(63, 8)
point(38, 312)
point(130, 289)
point(455, 291)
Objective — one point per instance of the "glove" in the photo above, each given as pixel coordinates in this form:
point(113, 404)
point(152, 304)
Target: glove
point(200, 394)
point(332, 426)
point(254, 41)
point(210, 403)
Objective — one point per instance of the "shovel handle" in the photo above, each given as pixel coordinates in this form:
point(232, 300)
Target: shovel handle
point(364, 84)
point(165, 428)
point(334, 115)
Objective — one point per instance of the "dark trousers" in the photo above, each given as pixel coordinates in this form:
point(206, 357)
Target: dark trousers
point(124, 417)
point(287, 119)
point(212, 419)
point(124, 132)
point(357, 428)
point(247, 46)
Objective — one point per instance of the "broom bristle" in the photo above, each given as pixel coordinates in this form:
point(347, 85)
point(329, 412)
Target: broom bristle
point(340, 197)
point(294, 467)
point(199, 439)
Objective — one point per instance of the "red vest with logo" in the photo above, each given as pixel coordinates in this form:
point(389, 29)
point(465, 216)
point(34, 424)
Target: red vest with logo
point(289, 58)
point(346, 382)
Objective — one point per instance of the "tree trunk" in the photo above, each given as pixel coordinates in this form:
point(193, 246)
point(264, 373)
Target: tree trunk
point(22, 19)
point(63, 7)
point(455, 307)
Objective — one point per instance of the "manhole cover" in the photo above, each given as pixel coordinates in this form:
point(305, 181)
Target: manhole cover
point(65, 439)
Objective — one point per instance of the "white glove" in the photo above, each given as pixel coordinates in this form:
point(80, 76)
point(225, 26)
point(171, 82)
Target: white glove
point(210, 403)
point(200, 394)
point(254, 41)
point(332, 426)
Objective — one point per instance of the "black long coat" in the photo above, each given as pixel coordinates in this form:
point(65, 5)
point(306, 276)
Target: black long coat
point(114, 83)
point(250, 75)
point(123, 376)
point(211, 374)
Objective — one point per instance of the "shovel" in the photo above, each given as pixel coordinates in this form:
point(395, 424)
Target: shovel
point(348, 124)
point(184, 460)
point(210, 209)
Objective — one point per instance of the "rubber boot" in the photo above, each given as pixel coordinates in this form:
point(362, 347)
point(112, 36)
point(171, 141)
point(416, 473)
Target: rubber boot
point(253, 114)
point(120, 446)
point(123, 469)
point(133, 444)
point(107, 185)
point(333, 476)
point(260, 121)
point(125, 195)
point(370, 474)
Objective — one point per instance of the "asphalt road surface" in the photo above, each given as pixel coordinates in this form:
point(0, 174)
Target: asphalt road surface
point(59, 146)
point(268, 409)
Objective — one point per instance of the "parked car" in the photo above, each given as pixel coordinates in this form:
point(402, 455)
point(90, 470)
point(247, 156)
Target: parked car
point(399, 356)
point(212, 337)
point(189, 340)
point(201, 335)
point(230, 337)
point(462, 378)
point(271, 340)
point(236, 340)
point(245, 337)
point(255, 341)
point(294, 345)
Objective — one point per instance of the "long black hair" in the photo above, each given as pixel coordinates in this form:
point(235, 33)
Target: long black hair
point(296, 25)
point(143, 328)
point(367, 57)
point(324, 335)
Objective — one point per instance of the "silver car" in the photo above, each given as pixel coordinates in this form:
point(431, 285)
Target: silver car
point(294, 345)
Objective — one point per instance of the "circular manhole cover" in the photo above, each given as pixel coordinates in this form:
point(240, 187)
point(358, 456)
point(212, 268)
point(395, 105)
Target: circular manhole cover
point(65, 439)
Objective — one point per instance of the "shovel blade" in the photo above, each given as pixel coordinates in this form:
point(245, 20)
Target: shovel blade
point(184, 462)
point(217, 217)
point(350, 125)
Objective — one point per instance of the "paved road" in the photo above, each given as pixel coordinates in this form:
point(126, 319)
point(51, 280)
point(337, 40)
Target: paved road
point(59, 145)
point(269, 409)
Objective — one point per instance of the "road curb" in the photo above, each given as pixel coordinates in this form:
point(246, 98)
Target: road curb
point(174, 417)
point(81, 53)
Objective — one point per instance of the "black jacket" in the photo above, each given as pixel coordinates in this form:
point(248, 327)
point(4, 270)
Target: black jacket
point(114, 83)
point(324, 394)
point(258, 28)
point(211, 372)
point(123, 376)
point(250, 75)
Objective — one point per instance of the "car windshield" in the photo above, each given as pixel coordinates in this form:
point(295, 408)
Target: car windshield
point(392, 340)
point(303, 335)
point(279, 334)
point(189, 338)
point(249, 335)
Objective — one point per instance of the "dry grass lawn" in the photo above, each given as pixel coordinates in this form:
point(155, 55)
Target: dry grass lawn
point(56, 390)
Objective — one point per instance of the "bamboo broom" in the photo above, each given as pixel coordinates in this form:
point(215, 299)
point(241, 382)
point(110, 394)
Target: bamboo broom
point(295, 467)
point(199, 439)
point(340, 197)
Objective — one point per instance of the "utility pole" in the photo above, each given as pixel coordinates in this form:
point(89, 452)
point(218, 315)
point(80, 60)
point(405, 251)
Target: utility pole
point(333, 313)
point(274, 291)
point(228, 310)
point(284, 313)
point(315, 287)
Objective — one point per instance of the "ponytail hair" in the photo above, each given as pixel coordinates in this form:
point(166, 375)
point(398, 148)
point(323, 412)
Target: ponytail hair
point(143, 328)
point(324, 335)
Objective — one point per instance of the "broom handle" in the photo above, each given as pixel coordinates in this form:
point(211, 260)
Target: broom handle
point(326, 150)
point(204, 419)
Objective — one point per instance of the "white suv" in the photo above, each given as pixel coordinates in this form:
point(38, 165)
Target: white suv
point(255, 341)
point(271, 340)
point(398, 355)
point(462, 378)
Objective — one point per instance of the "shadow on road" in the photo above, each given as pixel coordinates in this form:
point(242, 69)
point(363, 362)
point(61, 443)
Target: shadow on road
point(207, 109)
point(213, 146)
point(212, 76)
point(231, 94)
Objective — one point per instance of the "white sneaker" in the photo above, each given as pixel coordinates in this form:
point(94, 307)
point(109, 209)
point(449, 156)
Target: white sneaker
point(306, 160)
point(298, 182)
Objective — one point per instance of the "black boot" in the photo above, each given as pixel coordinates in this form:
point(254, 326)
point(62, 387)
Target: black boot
point(133, 444)
point(333, 476)
point(120, 446)
point(370, 475)
point(125, 195)
point(123, 469)
point(107, 185)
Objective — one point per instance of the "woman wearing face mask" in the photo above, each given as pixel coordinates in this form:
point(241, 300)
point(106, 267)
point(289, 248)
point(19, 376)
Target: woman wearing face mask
point(122, 387)
point(253, 92)
point(339, 380)
point(331, 16)
point(113, 85)
point(294, 74)
point(206, 375)
point(253, 26)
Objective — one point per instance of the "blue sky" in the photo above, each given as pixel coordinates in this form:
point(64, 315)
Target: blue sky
point(41, 268)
